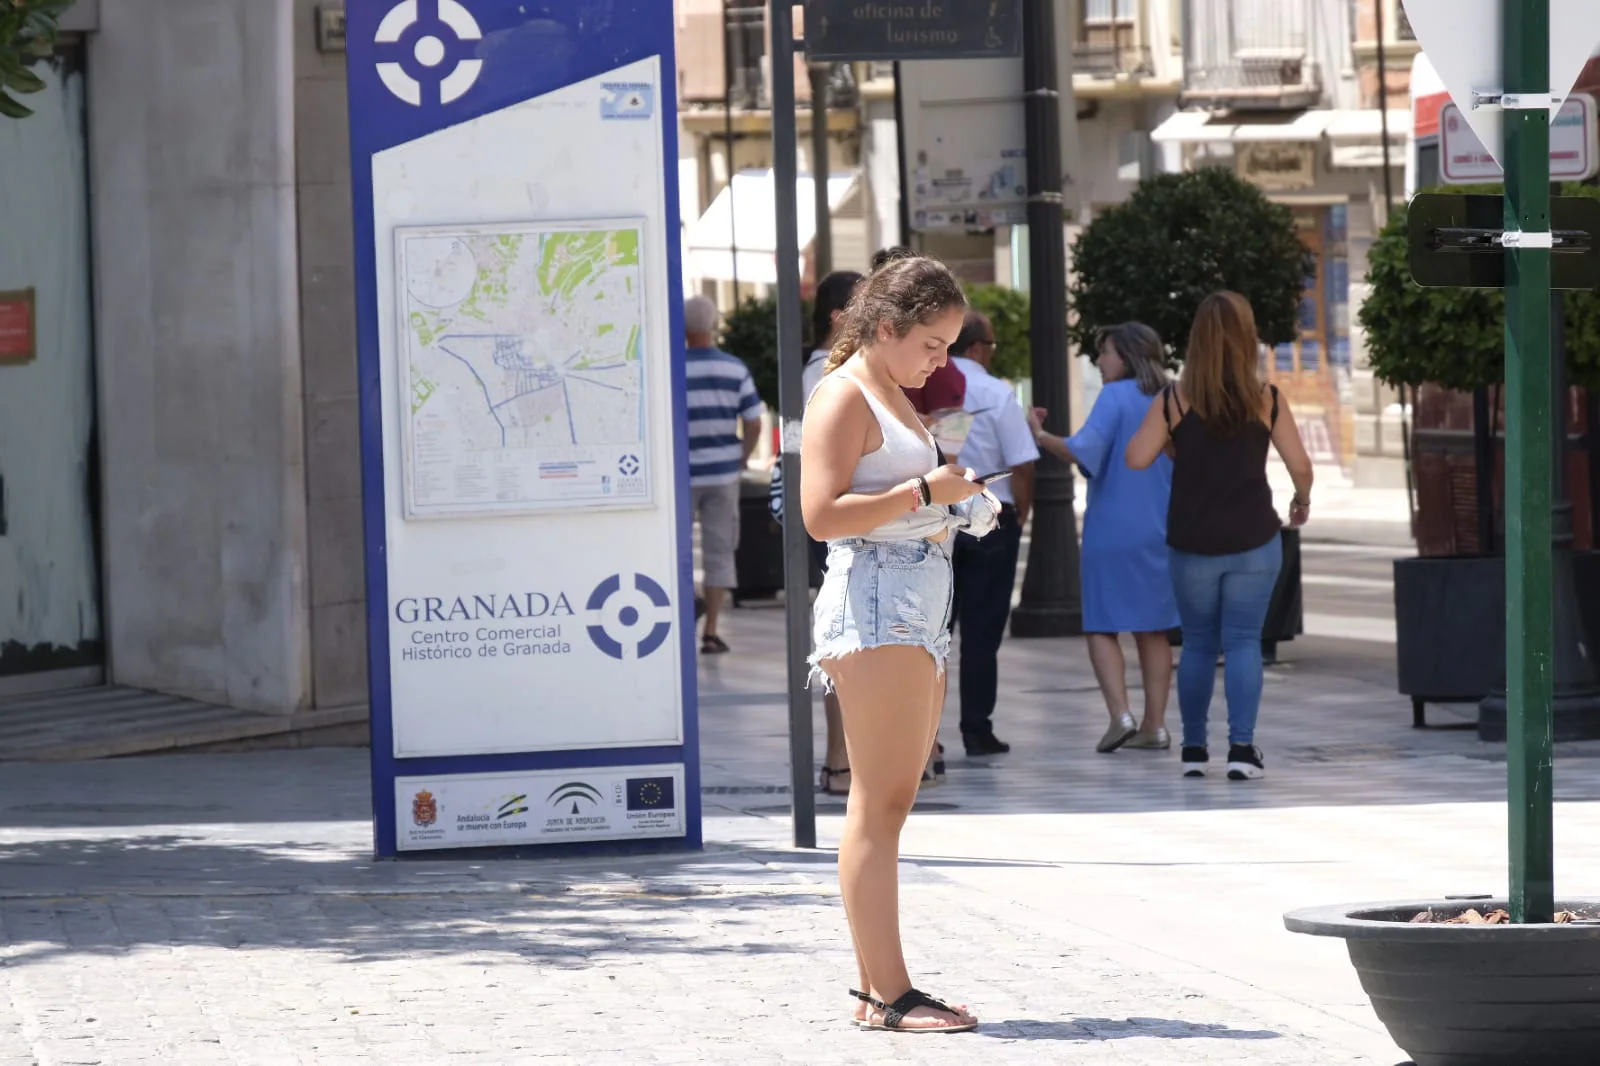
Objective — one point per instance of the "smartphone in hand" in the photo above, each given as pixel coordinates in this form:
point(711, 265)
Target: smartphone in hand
point(998, 475)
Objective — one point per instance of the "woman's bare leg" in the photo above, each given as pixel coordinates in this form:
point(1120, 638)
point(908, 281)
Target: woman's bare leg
point(835, 757)
point(861, 1009)
point(1155, 663)
point(1110, 670)
point(938, 714)
point(886, 695)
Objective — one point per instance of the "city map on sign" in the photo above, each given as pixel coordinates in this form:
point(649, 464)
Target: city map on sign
point(522, 367)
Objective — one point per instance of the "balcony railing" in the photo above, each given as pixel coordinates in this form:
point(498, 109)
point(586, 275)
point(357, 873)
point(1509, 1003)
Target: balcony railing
point(1111, 60)
point(1250, 53)
point(747, 48)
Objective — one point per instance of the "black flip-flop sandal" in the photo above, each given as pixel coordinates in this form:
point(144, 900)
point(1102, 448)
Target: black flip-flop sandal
point(713, 645)
point(895, 1013)
point(825, 786)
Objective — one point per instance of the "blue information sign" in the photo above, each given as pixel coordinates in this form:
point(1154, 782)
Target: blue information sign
point(524, 445)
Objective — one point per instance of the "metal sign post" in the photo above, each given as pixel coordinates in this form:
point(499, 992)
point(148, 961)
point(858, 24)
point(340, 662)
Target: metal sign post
point(1530, 628)
point(1510, 90)
point(791, 405)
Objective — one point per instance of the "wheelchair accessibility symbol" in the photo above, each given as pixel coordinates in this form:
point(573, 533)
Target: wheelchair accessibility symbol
point(629, 622)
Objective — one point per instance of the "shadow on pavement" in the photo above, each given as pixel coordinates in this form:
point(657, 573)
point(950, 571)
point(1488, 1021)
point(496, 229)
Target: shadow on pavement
point(111, 896)
point(1088, 1030)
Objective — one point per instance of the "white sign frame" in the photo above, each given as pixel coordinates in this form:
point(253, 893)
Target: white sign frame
point(538, 807)
point(1457, 136)
point(586, 662)
point(1464, 42)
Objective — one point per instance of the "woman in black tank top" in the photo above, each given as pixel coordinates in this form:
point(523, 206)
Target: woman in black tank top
point(1222, 526)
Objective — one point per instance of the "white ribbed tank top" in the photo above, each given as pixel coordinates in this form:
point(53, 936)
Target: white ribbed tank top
point(905, 454)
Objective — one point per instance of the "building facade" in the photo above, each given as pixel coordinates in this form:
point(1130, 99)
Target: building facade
point(725, 154)
point(179, 478)
point(1284, 92)
point(180, 449)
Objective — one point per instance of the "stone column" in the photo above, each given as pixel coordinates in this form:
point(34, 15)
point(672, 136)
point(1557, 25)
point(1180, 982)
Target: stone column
point(198, 337)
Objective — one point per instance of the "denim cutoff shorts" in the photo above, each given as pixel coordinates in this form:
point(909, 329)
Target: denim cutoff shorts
point(879, 593)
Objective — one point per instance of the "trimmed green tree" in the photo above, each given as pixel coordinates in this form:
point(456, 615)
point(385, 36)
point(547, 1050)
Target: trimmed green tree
point(1179, 238)
point(1456, 337)
point(750, 331)
point(27, 36)
point(1008, 313)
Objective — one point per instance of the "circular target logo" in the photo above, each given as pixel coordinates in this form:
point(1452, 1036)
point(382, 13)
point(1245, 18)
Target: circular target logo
point(628, 465)
point(430, 45)
point(629, 621)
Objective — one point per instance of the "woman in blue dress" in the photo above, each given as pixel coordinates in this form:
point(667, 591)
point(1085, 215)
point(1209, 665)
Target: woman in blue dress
point(1126, 586)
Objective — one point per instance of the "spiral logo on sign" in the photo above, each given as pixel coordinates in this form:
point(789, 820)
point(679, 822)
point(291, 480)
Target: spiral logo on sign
point(432, 43)
point(632, 622)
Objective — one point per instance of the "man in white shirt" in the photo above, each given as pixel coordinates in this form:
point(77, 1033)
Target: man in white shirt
point(986, 568)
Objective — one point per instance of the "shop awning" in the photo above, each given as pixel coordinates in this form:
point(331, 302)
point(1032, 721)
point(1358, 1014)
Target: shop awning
point(1356, 138)
point(1198, 127)
point(1355, 135)
point(743, 217)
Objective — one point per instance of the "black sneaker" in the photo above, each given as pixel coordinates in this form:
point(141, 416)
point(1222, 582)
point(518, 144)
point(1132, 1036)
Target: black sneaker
point(1194, 762)
point(985, 744)
point(1244, 763)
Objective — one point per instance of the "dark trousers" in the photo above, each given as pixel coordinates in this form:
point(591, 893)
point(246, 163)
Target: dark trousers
point(985, 573)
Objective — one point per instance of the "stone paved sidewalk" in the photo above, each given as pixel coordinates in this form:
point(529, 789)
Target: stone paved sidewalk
point(1095, 910)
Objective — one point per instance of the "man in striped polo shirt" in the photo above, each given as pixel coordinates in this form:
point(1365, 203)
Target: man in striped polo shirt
point(722, 394)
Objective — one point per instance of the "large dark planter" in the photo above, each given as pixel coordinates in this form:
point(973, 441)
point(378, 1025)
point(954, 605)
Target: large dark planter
point(1474, 995)
point(1450, 629)
point(1575, 713)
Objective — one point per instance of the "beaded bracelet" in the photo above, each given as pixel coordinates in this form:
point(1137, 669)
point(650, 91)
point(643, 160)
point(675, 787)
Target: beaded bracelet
point(916, 496)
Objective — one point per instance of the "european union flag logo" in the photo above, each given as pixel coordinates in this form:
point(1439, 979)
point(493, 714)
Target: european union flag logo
point(651, 794)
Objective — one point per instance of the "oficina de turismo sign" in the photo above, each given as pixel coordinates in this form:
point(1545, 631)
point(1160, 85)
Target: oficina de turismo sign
point(852, 30)
point(523, 429)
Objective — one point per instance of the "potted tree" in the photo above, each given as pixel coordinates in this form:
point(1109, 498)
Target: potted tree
point(1447, 344)
point(1007, 310)
point(1474, 981)
point(1174, 242)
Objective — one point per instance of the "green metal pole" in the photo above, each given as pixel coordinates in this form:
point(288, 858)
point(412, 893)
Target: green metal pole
point(1525, 25)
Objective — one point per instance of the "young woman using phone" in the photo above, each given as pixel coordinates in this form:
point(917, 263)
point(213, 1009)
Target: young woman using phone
point(871, 486)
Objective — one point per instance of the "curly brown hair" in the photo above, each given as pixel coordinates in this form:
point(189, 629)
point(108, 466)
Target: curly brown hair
point(903, 292)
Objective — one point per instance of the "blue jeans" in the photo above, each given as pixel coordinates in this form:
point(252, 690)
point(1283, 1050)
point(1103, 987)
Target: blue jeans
point(1222, 603)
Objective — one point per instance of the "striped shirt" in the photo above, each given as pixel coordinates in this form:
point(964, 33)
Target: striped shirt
point(721, 393)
